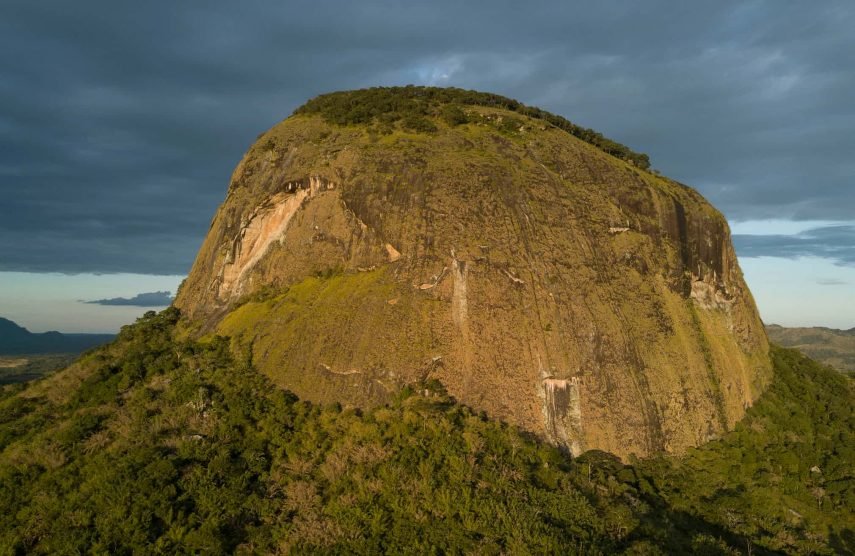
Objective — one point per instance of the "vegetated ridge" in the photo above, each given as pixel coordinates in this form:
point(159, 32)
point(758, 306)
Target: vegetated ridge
point(158, 443)
point(386, 106)
point(382, 237)
point(830, 346)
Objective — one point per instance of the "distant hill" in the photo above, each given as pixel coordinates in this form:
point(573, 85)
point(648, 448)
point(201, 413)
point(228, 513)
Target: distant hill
point(827, 345)
point(15, 340)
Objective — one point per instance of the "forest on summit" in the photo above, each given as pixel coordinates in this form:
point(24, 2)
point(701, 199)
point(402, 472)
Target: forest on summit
point(414, 107)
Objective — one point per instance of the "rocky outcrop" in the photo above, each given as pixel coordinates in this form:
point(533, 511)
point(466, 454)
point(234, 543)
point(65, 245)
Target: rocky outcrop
point(537, 277)
point(265, 225)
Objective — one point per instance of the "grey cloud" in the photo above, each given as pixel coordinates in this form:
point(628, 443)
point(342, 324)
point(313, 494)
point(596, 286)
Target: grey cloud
point(832, 242)
point(120, 124)
point(832, 282)
point(150, 299)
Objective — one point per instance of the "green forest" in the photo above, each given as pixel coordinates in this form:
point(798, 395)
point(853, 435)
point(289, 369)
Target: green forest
point(161, 444)
point(414, 108)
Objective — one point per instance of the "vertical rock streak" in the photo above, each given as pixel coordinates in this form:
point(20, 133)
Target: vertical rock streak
point(562, 409)
point(460, 316)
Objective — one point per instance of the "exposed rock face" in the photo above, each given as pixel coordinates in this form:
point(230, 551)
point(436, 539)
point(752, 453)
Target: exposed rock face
point(265, 225)
point(562, 412)
point(537, 277)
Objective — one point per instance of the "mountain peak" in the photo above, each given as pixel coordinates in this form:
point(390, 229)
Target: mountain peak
point(8, 327)
point(374, 239)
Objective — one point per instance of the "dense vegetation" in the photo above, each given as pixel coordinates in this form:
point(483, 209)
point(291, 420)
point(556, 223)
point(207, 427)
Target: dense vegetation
point(166, 445)
point(835, 348)
point(412, 106)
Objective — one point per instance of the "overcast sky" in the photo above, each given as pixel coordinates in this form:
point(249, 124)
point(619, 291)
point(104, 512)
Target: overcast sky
point(120, 122)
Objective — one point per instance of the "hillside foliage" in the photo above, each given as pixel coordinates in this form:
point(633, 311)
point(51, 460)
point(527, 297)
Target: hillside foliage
point(414, 106)
point(835, 348)
point(156, 444)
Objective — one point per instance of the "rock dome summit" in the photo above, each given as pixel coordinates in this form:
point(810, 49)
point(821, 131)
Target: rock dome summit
point(393, 236)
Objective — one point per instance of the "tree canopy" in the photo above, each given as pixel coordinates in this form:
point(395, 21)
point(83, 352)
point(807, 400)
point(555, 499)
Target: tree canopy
point(161, 444)
point(412, 104)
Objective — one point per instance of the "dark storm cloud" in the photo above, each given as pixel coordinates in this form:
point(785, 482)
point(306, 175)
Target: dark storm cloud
point(149, 299)
point(832, 242)
point(120, 123)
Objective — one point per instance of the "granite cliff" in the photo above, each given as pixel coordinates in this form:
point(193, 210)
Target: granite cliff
point(383, 237)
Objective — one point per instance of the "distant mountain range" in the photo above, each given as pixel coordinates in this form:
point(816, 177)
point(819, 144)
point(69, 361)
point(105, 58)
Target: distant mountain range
point(827, 345)
point(15, 340)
